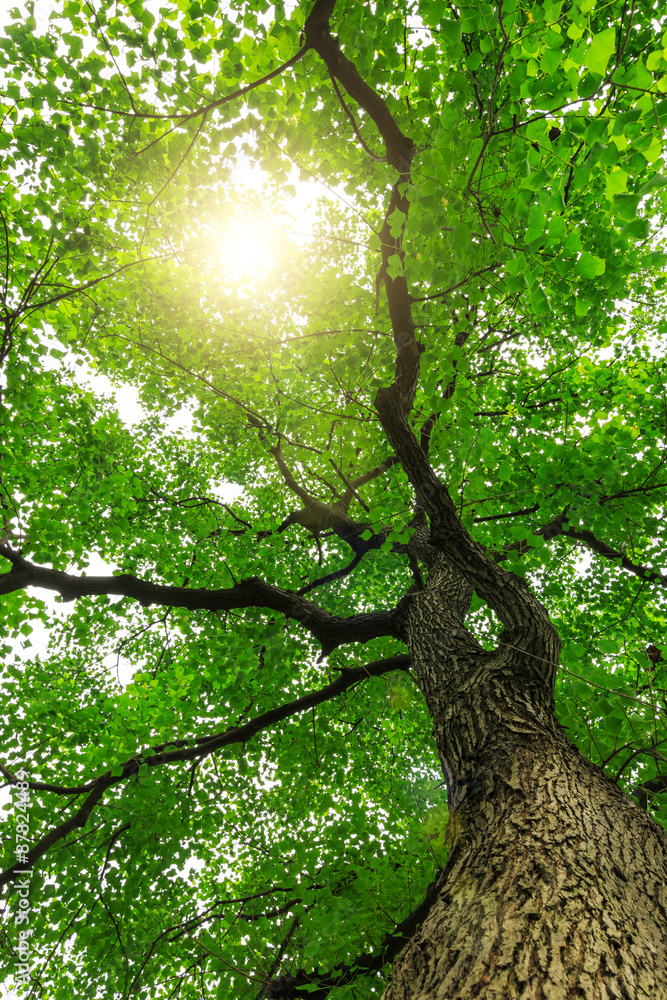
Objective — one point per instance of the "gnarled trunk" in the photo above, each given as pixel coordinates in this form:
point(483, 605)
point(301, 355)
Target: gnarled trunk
point(556, 881)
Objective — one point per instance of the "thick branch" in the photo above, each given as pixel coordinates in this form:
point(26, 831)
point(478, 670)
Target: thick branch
point(318, 517)
point(355, 127)
point(318, 36)
point(367, 477)
point(204, 746)
point(400, 151)
point(330, 630)
point(288, 475)
point(507, 594)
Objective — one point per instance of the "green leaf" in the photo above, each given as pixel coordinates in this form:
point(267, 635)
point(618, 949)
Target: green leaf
point(600, 51)
point(461, 236)
point(396, 222)
point(636, 76)
point(452, 30)
point(638, 229)
point(609, 646)
point(626, 205)
point(572, 244)
point(539, 301)
point(657, 181)
point(589, 266)
point(395, 266)
point(655, 60)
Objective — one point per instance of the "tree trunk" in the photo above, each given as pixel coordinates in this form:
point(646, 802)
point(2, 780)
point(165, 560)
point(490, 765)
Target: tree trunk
point(555, 885)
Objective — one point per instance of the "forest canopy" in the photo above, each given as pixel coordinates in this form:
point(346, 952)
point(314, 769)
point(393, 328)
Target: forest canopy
point(420, 353)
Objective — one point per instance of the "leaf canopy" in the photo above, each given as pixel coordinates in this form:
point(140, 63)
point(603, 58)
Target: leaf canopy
point(531, 239)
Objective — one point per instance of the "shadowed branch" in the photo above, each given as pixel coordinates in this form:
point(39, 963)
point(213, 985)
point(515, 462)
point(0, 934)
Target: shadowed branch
point(330, 630)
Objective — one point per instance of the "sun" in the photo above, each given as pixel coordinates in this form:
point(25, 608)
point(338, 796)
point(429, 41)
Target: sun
point(246, 250)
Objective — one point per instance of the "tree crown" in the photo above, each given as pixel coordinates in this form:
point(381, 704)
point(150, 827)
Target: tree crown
point(479, 301)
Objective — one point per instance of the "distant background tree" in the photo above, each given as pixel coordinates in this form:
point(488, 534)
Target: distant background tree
point(334, 747)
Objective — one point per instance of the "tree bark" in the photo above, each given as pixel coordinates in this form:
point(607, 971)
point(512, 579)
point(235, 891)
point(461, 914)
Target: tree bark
point(556, 881)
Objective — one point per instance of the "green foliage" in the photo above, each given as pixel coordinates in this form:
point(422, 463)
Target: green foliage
point(534, 252)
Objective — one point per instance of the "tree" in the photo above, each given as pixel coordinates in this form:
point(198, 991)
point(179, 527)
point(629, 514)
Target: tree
point(446, 415)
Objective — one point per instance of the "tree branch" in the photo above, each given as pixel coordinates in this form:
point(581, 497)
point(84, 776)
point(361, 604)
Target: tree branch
point(523, 616)
point(204, 746)
point(330, 630)
point(400, 151)
point(355, 127)
point(602, 549)
point(367, 477)
point(317, 516)
point(318, 36)
point(336, 575)
point(647, 789)
point(188, 116)
point(343, 975)
point(556, 527)
point(288, 475)
point(504, 592)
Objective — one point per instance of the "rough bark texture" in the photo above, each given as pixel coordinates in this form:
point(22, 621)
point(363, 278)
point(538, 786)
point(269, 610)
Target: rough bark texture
point(555, 885)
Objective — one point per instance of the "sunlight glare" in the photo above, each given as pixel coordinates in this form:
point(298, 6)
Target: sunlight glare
point(246, 250)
